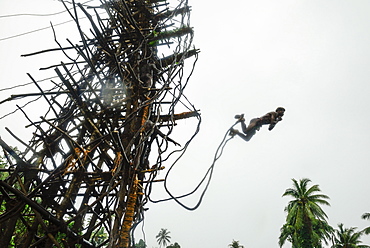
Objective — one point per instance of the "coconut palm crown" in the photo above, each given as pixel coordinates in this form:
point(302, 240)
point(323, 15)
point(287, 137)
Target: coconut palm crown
point(348, 238)
point(235, 244)
point(306, 225)
point(366, 216)
point(163, 237)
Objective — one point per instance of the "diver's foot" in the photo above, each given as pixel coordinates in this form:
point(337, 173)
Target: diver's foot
point(233, 132)
point(239, 117)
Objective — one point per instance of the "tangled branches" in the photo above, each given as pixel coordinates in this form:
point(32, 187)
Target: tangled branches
point(91, 156)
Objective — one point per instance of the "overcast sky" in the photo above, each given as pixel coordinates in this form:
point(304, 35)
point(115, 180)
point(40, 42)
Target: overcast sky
point(311, 57)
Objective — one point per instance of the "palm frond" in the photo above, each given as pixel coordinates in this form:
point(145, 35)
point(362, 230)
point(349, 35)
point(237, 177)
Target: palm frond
point(366, 216)
point(305, 217)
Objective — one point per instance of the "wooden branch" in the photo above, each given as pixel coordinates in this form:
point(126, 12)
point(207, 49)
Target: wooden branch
point(180, 116)
point(176, 58)
point(47, 50)
point(13, 97)
point(47, 216)
point(21, 163)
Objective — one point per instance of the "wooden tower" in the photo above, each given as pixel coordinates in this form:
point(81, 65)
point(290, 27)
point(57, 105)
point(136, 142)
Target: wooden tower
point(85, 176)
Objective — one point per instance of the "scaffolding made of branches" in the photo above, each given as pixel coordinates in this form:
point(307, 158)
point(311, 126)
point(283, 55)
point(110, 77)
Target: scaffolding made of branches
point(94, 156)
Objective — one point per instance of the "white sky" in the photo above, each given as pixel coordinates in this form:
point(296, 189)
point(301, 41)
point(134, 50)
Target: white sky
point(311, 57)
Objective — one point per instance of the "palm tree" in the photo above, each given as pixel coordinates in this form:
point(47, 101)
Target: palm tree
point(321, 231)
point(347, 238)
point(175, 245)
point(163, 237)
point(235, 244)
point(366, 216)
point(306, 225)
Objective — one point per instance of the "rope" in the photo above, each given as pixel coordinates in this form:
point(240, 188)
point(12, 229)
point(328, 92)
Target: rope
point(208, 175)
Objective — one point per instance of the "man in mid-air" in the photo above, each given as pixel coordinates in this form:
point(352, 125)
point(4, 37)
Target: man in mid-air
point(271, 119)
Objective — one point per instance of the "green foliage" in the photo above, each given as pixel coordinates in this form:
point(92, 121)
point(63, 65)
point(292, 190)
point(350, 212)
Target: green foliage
point(175, 245)
point(21, 224)
point(100, 236)
point(21, 227)
point(153, 43)
point(347, 238)
point(235, 244)
point(163, 237)
point(3, 164)
point(306, 225)
point(3, 175)
point(366, 216)
point(28, 219)
point(141, 244)
point(60, 237)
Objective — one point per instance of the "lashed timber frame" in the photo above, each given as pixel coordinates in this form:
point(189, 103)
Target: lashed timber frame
point(96, 152)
